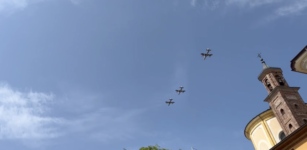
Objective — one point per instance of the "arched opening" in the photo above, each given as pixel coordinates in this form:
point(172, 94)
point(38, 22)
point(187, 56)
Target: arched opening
point(290, 126)
point(282, 111)
point(281, 135)
point(268, 84)
point(280, 80)
point(295, 106)
point(305, 120)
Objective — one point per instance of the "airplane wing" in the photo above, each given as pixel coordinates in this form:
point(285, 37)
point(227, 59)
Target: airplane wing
point(203, 54)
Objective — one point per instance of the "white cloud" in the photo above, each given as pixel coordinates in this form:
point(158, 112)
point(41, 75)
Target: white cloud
point(26, 116)
point(23, 115)
point(296, 8)
point(251, 3)
point(277, 9)
point(236, 3)
point(11, 6)
point(293, 8)
point(206, 3)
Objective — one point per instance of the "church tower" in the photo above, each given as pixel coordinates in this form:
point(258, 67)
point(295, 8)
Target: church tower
point(285, 101)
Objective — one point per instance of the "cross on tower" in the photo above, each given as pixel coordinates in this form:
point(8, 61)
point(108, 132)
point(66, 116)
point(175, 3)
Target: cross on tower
point(261, 59)
point(263, 62)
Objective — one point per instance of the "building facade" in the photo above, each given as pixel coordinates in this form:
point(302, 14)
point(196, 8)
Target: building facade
point(299, 62)
point(284, 125)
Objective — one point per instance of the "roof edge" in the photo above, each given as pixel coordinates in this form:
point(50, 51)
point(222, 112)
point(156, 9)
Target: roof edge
point(253, 120)
point(293, 61)
point(289, 137)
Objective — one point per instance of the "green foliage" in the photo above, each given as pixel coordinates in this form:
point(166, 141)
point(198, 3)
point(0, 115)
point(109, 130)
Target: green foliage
point(156, 147)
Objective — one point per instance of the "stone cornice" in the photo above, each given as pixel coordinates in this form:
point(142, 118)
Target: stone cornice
point(276, 90)
point(267, 71)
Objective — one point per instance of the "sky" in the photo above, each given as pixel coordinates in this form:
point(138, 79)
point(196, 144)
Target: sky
point(95, 74)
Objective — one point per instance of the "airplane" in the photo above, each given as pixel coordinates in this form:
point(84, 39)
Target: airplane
point(207, 54)
point(170, 102)
point(180, 91)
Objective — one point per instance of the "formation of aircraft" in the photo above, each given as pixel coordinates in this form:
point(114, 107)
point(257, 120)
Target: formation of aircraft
point(181, 88)
point(170, 102)
point(206, 54)
point(180, 91)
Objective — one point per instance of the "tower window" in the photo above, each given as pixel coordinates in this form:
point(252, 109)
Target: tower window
point(281, 135)
point(290, 126)
point(280, 80)
point(268, 84)
point(296, 107)
point(271, 89)
point(282, 111)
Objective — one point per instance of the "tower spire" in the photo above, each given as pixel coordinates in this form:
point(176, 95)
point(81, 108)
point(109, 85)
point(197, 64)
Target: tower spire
point(263, 62)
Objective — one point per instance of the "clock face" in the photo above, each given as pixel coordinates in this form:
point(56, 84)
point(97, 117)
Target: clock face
point(291, 97)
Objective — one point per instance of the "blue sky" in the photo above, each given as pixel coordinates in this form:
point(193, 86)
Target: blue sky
point(95, 74)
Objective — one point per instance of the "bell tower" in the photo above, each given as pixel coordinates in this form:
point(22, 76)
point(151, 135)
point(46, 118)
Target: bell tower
point(285, 101)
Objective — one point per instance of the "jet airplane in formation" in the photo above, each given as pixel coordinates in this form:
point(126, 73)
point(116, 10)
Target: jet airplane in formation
point(206, 54)
point(169, 102)
point(180, 91)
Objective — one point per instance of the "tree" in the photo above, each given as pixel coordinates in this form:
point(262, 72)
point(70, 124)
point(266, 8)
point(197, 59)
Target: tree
point(156, 147)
